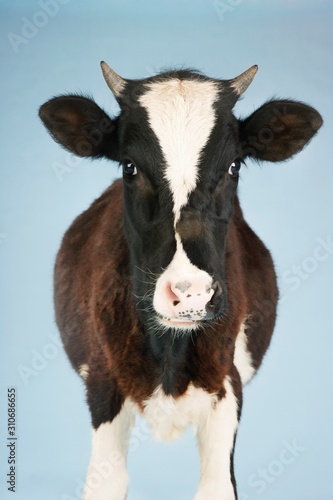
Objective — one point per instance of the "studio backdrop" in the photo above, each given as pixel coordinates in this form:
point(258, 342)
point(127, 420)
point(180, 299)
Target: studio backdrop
point(52, 47)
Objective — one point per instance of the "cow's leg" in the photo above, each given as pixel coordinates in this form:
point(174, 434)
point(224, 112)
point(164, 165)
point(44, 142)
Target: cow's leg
point(216, 439)
point(107, 477)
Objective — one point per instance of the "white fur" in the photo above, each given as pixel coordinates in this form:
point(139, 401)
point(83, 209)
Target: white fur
point(181, 269)
point(169, 417)
point(107, 477)
point(84, 371)
point(182, 116)
point(215, 423)
point(242, 357)
point(216, 434)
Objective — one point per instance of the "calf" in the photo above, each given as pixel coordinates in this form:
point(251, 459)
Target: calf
point(164, 296)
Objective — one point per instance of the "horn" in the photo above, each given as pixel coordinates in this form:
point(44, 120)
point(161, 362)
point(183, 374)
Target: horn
point(115, 83)
point(241, 82)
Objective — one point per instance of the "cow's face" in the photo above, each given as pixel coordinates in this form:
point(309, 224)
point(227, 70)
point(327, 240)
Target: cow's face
point(180, 149)
point(180, 154)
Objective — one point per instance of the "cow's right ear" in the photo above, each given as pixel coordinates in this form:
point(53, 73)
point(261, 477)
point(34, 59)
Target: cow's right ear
point(81, 126)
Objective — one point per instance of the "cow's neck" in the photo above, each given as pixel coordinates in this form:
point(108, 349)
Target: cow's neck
point(170, 355)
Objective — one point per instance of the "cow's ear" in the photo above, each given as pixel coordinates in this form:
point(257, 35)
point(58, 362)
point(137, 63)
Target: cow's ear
point(278, 130)
point(81, 126)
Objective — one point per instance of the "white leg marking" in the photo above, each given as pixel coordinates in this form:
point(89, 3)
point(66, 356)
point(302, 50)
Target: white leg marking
point(215, 437)
point(84, 371)
point(181, 113)
point(242, 357)
point(107, 477)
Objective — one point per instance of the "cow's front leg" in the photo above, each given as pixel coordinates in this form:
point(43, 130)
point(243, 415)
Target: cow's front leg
point(107, 477)
point(216, 439)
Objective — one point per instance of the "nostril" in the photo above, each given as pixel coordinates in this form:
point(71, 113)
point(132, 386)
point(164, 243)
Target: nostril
point(217, 287)
point(215, 302)
point(172, 297)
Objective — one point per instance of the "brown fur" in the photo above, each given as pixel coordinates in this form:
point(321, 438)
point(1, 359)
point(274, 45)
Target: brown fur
point(96, 310)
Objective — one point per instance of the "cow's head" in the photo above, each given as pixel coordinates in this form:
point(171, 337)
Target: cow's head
point(180, 148)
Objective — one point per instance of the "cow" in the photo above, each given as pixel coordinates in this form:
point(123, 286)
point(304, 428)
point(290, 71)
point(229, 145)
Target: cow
point(164, 296)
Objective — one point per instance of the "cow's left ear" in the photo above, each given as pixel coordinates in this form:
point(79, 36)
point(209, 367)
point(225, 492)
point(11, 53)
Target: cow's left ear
point(81, 126)
point(278, 130)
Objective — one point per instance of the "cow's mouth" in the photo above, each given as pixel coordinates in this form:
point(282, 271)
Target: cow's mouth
point(179, 323)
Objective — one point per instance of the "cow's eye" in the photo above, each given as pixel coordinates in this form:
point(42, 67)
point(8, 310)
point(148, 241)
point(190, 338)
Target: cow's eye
point(234, 168)
point(129, 168)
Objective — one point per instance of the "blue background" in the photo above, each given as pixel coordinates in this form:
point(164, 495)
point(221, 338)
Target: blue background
point(290, 206)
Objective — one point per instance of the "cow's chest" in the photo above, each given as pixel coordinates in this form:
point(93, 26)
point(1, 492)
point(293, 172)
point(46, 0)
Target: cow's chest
point(169, 417)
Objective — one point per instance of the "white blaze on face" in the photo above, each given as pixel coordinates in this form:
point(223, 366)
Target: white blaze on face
point(181, 114)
